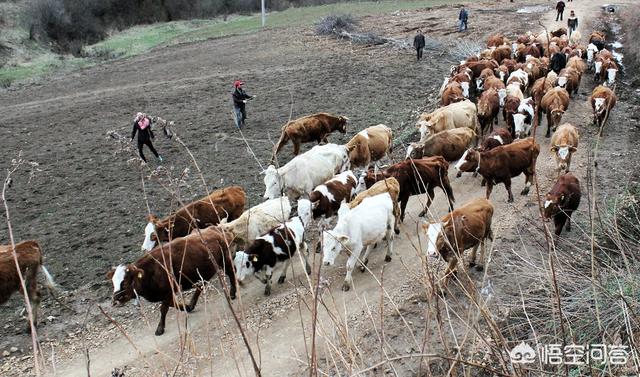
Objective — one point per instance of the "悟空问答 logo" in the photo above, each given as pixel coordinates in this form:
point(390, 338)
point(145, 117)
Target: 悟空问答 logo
point(523, 354)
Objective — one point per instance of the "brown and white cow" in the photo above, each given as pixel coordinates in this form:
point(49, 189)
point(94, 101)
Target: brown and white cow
point(511, 105)
point(498, 85)
point(488, 110)
point(564, 143)
point(310, 128)
point(415, 177)
point(554, 103)
point(562, 200)
point(500, 164)
point(370, 145)
point(463, 228)
point(485, 74)
point(578, 64)
point(499, 136)
point(29, 255)
point(523, 119)
point(172, 268)
point(449, 144)
point(327, 197)
point(452, 93)
point(226, 203)
point(602, 101)
point(569, 79)
point(478, 66)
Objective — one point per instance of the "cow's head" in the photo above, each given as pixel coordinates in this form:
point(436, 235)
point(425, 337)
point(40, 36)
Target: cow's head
point(342, 124)
point(480, 83)
point(305, 209)
point(556, 116)
point(434, 238)
point(126, 280)
point(563, 155)
point(552, 204)
point(414, 150)
point(469, 161)
point(149, 235)
point(599, 105)
point(272, 183)
point(562, 81)
point(611, 75)
point(502, 94)
point(243, 263)
point(598, 66)
point(362, 184)
point(591, 50)
point(522, 129)
point(332, 245)
point(465, 89)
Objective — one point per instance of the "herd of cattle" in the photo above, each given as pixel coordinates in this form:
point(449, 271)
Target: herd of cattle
point(217, 235)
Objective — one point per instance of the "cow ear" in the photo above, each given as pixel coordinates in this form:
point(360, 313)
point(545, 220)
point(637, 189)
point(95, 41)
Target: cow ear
point(350, 148)
point(343, 238)
point(573, 149)
point(554, 148)
point(253, 258)
point(140, 274)
point(152, 218)
point(110, 273)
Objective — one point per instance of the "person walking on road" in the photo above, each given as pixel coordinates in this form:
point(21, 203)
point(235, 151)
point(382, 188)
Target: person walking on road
point(240, 98)
point(419, 43)
point(142, 126)
point(560, 8)
point(572, 22)
point(462, 17)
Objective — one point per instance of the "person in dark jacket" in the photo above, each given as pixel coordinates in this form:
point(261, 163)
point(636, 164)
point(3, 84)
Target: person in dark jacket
point(462, 17)
point(572, 22)
point(240, 98)
point(419, 43)
point(142, 126)
point(560, 8)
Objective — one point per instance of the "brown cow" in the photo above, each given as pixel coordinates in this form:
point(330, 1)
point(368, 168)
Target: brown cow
point(485, 74)
point(415, 177)
point(602, 101)
point(226, 203)
point(569, 79)
point(502, 163)
point(496, 40)
point(554, 104)
point(452, 93)
point(326, 198)
point(370, 145)
point(499, 136)
point(501, 53)
point(449, 144)
point(539, 89)
point(494, 83)
point(564, 143)
point(477, 67)
point(310, 128)
point(466, 227)
point(29, 255)
point(559, 32)
point(488, 110)
point(172, 268)
point(511, 104)
point(562, 200)
point(578, 64)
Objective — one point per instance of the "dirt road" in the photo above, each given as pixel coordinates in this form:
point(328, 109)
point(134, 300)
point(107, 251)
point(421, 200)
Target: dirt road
point(367, 84)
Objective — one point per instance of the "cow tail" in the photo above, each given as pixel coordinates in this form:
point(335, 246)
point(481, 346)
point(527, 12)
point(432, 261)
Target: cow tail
point(48, 279)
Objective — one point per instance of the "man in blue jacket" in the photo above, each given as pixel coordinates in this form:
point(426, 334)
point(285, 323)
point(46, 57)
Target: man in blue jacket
point(463, 16)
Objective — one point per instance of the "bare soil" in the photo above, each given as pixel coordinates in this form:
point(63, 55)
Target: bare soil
point(87, 206)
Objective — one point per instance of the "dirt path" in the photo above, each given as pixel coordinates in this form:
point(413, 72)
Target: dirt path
point(212, 344)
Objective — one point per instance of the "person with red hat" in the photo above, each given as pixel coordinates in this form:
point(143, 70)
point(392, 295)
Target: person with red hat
point(240, 98)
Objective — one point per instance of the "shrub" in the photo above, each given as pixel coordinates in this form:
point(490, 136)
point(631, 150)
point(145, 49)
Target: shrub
point(335, 24)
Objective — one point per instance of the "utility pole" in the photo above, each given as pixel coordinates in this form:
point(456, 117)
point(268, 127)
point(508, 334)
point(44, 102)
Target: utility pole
point(263, 12)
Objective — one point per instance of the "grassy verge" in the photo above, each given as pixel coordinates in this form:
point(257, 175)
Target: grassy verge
point(140, 39)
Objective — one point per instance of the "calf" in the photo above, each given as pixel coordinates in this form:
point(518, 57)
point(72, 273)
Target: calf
point(602, 101)
point(554, 103)
point(562, 200)
point(485, 74)
point(466, 227)
point(499, 86)
point(500, 136)
point(523, 119)
point(369, 145)
point(326, 198)
point(415, 177)
point(563, 144)
point(511, 105)
point(389, 185)
point(277, 245)
point(258, 219)
point(449, 144)
point(29, 255)
point(359, 228)
point(172, 268)
point(520, 77)
point(310, 128)
point(500, 164)
point(538, 90)
point(452, 93)
point(488, 110)
point(569, 79)
point(224, 203)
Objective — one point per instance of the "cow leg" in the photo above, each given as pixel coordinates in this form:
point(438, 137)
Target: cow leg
point(548, 134)
point(396, 214)
point(472, 257)
point(194, 300)
point(559, 221)
point(164, 308)
point(451, 267)
point(483, 183)
point(489, 188)
point(569, 213)
point(389, 256)
point(528, 180)
point(296, 147)
point(283, 274)
point(304, 249)
point(365, 259)
point(507, 185)
point(351, 263)
point(403, 207)
point(34, 295)
point(430, 195)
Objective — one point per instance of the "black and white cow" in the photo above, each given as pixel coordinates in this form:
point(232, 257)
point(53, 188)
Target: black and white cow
point(277, 245)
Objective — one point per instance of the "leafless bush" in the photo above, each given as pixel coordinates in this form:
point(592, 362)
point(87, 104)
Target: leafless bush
point(462, 49)
point(334, 24)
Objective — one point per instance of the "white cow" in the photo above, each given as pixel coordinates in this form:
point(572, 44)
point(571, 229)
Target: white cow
point(363, 226)
point(591, 51)
point(455, 115)
point(259, 219)
point(305, 171)
point(523, 119)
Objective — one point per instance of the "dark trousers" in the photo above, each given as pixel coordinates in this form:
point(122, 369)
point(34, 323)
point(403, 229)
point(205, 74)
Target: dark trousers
point(463, 25)
point(419, 52)
point(559, 15)
point(148, 143)
point(240, 115)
